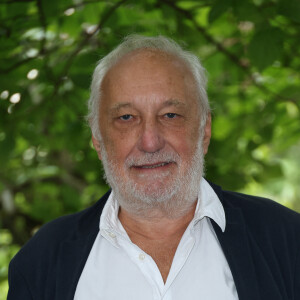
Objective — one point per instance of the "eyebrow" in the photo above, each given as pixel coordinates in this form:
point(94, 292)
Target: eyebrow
point(174, 102)
point(171, 102)
point(118, 106)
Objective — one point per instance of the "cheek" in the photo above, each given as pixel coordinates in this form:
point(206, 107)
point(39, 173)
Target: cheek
point(184, 144)
point(188, 137)
point(118, 145)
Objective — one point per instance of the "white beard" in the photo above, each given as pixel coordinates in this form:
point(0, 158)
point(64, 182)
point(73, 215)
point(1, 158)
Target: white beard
point(172, 200)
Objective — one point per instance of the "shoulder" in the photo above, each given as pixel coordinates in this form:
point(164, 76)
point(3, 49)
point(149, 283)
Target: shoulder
point(251, 206)
point(261, 216)
point(260, 208)
point(47, 239)
point(35, 268)
point(266, 221)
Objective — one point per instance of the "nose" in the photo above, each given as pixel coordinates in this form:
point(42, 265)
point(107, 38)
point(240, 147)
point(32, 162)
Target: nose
point(151, 139)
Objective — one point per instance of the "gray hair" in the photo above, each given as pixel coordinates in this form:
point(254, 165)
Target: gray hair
point(135, 42)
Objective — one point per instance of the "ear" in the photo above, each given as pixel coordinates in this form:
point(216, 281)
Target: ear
point(207, 134)
point(97, 146)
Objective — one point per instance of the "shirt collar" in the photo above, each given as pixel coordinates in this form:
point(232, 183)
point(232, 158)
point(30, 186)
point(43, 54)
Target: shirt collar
point(109, 220)
point(208, 205)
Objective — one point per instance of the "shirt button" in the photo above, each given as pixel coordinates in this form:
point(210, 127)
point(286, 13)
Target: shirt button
point(142, 256)
point(111, 234)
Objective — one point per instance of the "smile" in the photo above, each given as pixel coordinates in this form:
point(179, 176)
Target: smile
point(158, 165)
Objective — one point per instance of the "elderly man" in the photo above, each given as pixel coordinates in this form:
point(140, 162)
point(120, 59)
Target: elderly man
point(163, 232)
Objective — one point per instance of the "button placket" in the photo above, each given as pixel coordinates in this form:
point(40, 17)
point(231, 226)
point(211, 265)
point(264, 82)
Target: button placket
point(111, 234)
point(142, 256)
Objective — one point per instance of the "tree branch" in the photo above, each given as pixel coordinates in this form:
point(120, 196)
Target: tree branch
point(17, 64)
point(83, 3)
point(207, 36)
point(26, 60)
point(83, 43)
point(43, 23)
point(17, 18)
point(235, 59)
point(16, 1)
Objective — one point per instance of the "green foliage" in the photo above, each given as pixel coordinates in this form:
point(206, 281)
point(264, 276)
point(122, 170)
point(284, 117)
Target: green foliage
point(48, 51)
point(265, 47)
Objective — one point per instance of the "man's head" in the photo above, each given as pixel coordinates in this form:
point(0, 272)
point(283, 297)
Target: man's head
point(152, 124)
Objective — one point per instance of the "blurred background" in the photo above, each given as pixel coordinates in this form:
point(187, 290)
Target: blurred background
point(48, 49)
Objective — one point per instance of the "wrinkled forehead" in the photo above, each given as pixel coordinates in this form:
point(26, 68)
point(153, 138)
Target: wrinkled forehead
point(150, 55)
point(151, 64)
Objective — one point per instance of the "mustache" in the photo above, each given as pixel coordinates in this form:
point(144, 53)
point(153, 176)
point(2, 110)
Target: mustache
point(152, 158)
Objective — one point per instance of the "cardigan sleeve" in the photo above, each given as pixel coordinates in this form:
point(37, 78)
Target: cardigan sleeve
point(18, 287)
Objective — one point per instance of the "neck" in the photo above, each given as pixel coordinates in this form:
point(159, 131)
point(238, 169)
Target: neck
point(156, 225)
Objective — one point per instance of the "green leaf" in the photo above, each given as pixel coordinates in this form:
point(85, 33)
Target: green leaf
point(245, 11)
point(81, 80)
point(218, 9)
point(6, 148)
point(265, 47)
point(290, 9)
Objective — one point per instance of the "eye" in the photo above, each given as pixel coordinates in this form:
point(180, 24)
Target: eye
point(171, 115)
point(125, 117)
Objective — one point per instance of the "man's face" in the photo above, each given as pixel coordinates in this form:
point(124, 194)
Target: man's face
point(149, 122)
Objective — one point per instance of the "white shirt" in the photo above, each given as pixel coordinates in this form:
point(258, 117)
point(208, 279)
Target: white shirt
point(118, 269)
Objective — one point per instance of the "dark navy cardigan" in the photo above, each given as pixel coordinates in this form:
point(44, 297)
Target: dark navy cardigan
point(261, 244)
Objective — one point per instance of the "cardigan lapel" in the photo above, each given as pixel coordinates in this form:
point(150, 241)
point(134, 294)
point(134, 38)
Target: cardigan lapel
point(73, 253)
point(72, 258)
point(235, 245)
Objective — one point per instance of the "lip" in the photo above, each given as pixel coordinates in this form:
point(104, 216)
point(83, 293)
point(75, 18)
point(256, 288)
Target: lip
point(154, 166)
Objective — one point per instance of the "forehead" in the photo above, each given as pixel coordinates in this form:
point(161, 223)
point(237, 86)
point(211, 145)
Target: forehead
point(144, 60)
point(148, 72)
